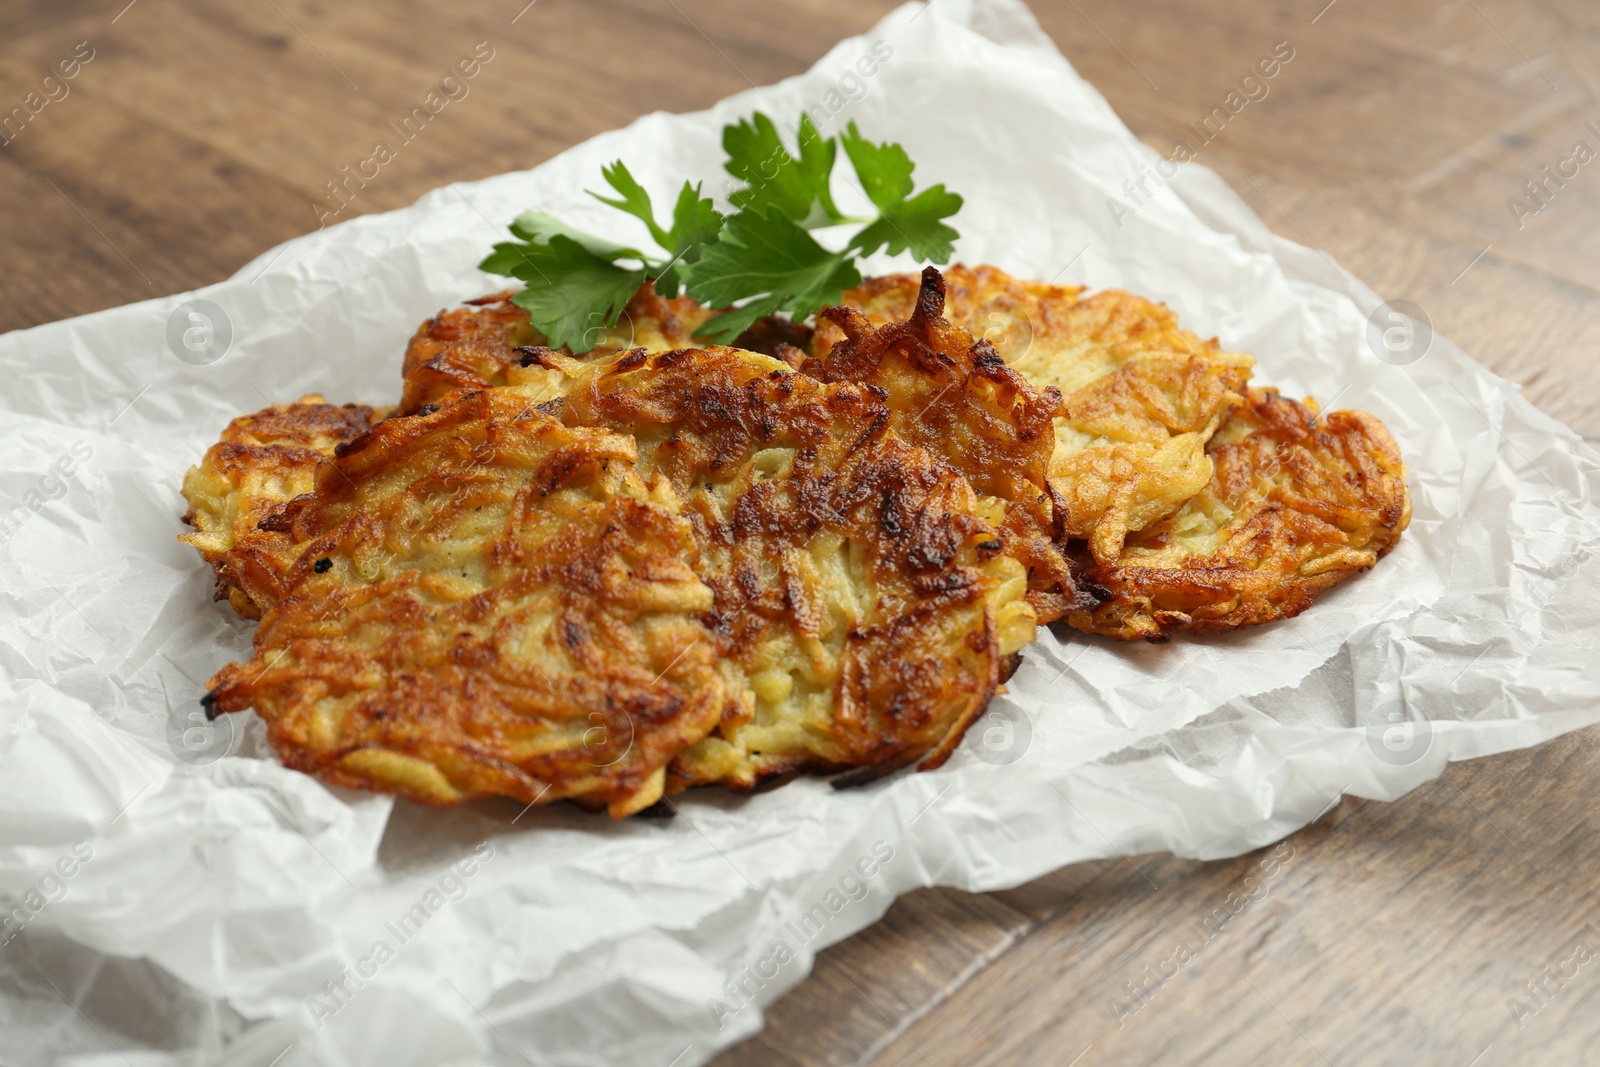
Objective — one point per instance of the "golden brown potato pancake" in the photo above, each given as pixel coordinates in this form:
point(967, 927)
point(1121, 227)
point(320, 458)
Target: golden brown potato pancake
point(476, 346)
point(1205, 506)
point(261, 461)
point(957, 398)
point(1297, 504)
point(1140, 396)
point(485, 602)
point(861, 588)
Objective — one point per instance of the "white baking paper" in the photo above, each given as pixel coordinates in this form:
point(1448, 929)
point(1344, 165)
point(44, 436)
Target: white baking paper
point(222, 909)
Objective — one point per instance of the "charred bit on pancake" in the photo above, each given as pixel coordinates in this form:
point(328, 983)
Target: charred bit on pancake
point(953, 395)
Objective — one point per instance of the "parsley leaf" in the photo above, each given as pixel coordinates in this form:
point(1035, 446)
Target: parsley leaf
point(769, 255)
point(885, 174)
point(884, 169)
point(634, 200)
point(538, 226)
point(695, 225)
point(695, 220)
point(577, 284)
point(574, 285)
point(914, 224)
point(776, 179)
point(725, 328)
point(572, 294)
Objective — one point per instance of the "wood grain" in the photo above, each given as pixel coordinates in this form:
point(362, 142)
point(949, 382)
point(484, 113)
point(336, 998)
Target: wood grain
point(201, 134)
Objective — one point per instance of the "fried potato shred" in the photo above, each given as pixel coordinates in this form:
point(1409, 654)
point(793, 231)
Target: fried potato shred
point(1188, 500)
point(861, 590)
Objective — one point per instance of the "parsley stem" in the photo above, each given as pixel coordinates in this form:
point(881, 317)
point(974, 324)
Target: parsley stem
point(840, 221)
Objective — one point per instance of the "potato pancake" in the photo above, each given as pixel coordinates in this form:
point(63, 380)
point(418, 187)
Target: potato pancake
point(860, 585)
point(1140, 396)
point(486, 601)
point(957, 398)
point(262, 460)
point(1297, 504)
point(476, 346)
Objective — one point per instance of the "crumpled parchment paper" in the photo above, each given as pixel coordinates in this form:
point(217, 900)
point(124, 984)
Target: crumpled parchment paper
point(176, 896)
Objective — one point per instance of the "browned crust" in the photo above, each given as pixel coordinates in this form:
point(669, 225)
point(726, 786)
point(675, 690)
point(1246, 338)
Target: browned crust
point(987, 302)
point(486, 602)
point(1139, 395)
point(477, 346)
point(464, 348)
point(1189, 501)
point(920, 659)
point(972, 710)
point(956, 397)
point(1298, 503)
point(261, 461)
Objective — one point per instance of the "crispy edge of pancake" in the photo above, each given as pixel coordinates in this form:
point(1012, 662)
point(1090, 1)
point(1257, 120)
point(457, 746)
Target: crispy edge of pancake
point(860, 586)
point(486, 601)
point(1140, 395)
point(479, 345)
point(261, 461)
point(955, 396)
point(1298, 503)
point(985, 301)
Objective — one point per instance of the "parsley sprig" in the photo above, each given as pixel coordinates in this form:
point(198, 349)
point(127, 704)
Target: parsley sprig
point(759, 260)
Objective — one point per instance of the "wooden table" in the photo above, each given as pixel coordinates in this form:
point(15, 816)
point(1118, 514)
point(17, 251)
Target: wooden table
point(199, 134)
